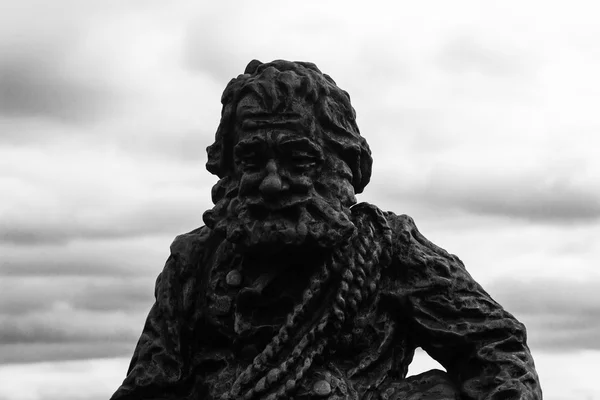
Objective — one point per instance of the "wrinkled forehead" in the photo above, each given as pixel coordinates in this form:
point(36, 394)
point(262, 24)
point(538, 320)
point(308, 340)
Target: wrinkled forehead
point(252, 115)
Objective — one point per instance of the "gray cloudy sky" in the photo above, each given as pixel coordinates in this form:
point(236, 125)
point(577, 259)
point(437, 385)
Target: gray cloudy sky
point(482, 118)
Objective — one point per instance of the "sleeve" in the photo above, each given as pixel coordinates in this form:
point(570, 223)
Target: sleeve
point(482, 346)
point(159, 368)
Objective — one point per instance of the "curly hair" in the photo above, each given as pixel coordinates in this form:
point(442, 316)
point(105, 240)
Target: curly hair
point(277, 84)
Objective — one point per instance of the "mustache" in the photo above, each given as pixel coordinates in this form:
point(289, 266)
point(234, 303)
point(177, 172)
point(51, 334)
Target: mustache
point(288, 202)
point(292, 220)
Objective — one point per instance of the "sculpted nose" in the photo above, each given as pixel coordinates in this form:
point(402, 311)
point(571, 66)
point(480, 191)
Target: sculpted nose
point(271, 184)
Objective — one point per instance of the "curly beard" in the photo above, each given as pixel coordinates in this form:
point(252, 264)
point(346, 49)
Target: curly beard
point(314, 221)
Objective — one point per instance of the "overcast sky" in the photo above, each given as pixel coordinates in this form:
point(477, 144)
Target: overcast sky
point(482, 118)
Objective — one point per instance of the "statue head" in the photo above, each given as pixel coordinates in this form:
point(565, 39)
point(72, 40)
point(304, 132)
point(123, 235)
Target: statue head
point(289, 156)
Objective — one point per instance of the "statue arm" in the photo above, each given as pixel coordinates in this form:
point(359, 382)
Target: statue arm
point(159, 368)
point(482, 347)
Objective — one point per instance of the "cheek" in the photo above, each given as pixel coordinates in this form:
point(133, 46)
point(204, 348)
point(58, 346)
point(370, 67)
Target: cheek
point(346, 193)
point(338, 169)
point(249, 183)
point(301, 183)
point(335, 187)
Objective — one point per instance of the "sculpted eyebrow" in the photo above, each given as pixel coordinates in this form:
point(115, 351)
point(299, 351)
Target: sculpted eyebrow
point(254, 114)
point(301, 144)
point(248, 145)
point(250, 124)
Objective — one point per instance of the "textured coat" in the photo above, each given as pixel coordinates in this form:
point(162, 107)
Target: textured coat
point(426, 298)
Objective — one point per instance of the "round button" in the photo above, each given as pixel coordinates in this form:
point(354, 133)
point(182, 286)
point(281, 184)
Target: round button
point(322, 388)
point(234, 278)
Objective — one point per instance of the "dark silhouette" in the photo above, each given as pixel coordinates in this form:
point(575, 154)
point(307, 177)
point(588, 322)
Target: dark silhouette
point(292, 290)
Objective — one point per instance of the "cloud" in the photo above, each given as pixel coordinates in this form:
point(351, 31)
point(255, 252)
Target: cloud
point(146, 218)
point(25, 294)
point(76, 194)
point(102, 68)
point(217, 47)
point(65, 323)
point(496, 56)
point(27, 352)
point(538, 198)
point(74, 317)
point(122, 258)
point(484, 183)
point(184, 145)
point(42, 73)
point(94, 379)
point(36, 87)
point(560, 315)
point(64, 332)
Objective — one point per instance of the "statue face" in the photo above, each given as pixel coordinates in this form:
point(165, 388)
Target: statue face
point(276, 159)
point(286, 188)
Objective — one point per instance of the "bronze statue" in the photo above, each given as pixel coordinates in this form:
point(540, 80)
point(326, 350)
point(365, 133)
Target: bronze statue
point(294, 291)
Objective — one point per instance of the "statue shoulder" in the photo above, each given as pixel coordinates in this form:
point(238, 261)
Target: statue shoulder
point(412, 248)
point(192, 242)
point(190, 250)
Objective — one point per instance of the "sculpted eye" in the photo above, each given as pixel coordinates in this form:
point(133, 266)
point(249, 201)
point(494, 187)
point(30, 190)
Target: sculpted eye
point(250, 155)
point(252, 161)
point(303, 161)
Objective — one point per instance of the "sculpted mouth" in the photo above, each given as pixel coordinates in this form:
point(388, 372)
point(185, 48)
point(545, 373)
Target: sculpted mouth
point(279, 205)
point(262, 213)
point(289, 209)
